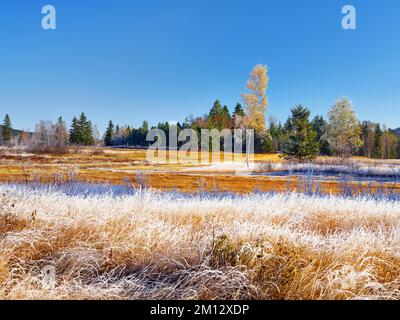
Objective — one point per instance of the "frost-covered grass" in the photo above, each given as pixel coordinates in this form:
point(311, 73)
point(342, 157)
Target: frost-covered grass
point(363, 168)
point(351, 168)
point(147, 245)
point(359, 170)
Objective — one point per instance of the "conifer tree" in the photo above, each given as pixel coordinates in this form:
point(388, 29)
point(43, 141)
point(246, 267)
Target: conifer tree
point(7, 130)
point(226, 120)
point(87, 131)
point(109, 134)
point(238, 110)
point(319, 126)
point(214, 116)
point(301, 143)
point(378, 141)
point(81, 131)
point(74, 132)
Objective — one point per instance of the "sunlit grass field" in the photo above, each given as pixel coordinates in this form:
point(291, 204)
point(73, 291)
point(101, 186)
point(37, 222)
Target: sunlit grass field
point(122, 166)
point(114, 225)
point(150, 245)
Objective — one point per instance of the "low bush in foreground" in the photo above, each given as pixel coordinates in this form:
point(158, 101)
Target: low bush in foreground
point(163, 246)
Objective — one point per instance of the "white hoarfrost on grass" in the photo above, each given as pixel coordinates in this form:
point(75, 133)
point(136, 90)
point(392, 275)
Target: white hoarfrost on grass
point(151, 245)
point(355, 168)
point(352, 168)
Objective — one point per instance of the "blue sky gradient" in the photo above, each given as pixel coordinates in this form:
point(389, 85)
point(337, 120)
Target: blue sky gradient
point(163, 60)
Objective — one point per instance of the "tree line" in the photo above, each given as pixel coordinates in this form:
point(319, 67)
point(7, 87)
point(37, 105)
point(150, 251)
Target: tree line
point(299, 138)
point(49, 136)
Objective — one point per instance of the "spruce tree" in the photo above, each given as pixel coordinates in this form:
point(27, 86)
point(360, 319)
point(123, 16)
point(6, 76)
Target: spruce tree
point(74, 132)
point(301, 143)
point(109, 134)
point(378, 141)
point(82, 124)
point(225, 112)
point(319, 126)
point(7, 130)
point(238, 110)
point(81, 132)
point(87, 131)
point(145, 126)
point(138, 137)
point(215, 114)
point(226, 120)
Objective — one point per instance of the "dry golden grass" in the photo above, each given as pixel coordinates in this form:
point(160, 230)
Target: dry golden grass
point(120, 166)
point(153, 245)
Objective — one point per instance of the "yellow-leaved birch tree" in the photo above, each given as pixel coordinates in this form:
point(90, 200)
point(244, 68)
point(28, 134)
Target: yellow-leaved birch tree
point(256, 101)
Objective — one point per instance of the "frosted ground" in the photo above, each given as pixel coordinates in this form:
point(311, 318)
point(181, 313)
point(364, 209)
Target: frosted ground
point(118, 243)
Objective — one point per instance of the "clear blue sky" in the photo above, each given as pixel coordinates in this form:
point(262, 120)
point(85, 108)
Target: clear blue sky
point(163, 60)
